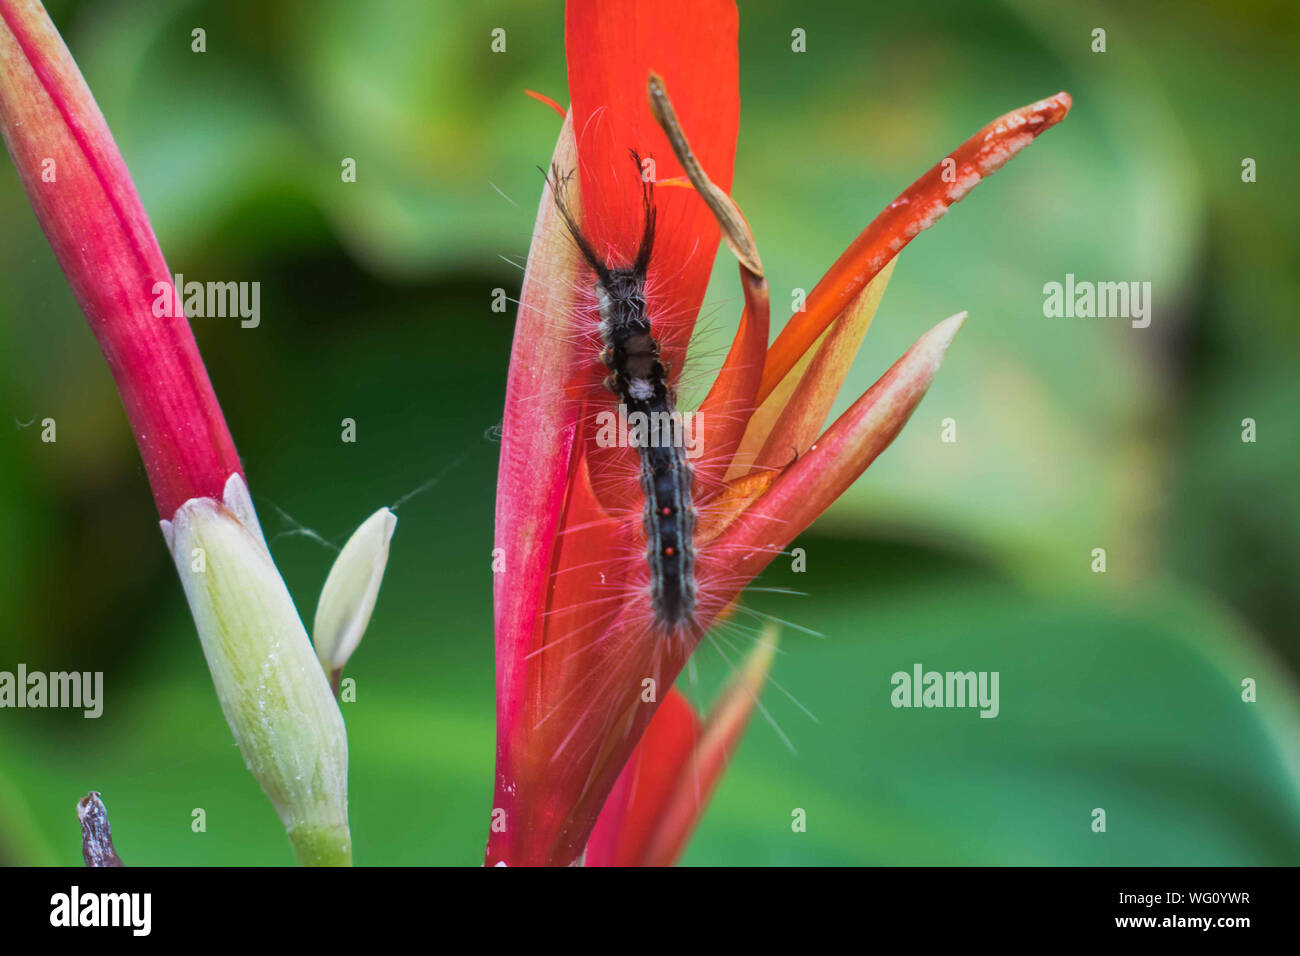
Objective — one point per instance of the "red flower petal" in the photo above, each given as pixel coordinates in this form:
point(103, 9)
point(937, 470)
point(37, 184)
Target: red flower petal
point(723, 727)
point(613, 45)
point(664, 790)
point(636, 806)
point(537, 459)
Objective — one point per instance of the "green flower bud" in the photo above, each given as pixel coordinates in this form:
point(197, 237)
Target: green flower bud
point(271, 688)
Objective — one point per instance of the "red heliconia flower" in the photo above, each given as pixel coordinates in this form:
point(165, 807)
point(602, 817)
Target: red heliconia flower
point(581, 665)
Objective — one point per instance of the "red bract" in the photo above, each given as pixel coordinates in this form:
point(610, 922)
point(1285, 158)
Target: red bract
point(92, 215)
point(665, 786)
point(580, 665)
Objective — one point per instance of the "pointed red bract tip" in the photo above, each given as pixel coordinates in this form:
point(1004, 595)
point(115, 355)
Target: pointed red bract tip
point(664, 789)
point(635, 808)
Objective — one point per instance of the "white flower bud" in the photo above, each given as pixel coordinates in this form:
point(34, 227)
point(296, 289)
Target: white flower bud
point(348, 598)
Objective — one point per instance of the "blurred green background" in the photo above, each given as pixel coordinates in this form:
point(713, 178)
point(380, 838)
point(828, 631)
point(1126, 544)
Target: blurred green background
point(1119, 690)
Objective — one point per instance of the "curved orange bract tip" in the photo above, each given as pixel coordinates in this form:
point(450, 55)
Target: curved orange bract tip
point(543, 98)
point(918, 208)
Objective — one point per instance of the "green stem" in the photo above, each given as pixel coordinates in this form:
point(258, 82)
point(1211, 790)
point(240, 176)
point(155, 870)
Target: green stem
point(322, 845)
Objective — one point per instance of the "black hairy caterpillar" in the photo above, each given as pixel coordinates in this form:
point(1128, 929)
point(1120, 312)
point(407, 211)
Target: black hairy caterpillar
point(640, 380)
